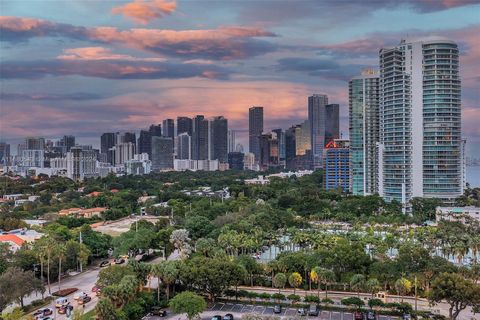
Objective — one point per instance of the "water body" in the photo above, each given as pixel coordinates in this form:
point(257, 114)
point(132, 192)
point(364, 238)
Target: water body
point(473, 176)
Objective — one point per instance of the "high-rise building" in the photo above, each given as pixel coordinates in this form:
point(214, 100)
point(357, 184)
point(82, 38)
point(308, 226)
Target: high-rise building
point(184, 146)
point(33, 158)
point(155, 130)
point(364, 126)
point(316, 118)
point(200, 138)
point(255, 130)
point(420, 107)
point(125, 137)
point(218, 139)
point(336, 155)
point(107, 141)
point(184, 125)
point(144, 142)
point(235, 160)
point(4, 153)
point(34, 143)
point(122, 152)
point(168, 128)
point(81, 163)
point(162, 153)
point(332, 122)
point(67, 142)
point(231, 141)
point(281, 145)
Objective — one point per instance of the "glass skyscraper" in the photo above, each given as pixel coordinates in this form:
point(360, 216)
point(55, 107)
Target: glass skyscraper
point(420, 133)
point(364, 129)
point(316, 118)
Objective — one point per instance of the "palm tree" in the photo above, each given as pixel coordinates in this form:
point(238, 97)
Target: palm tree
point(295, 280)
point(279, 281)
point(357, 282)
point(60, 250)
point(372, 285)
point(403, 286)
point(326, 276)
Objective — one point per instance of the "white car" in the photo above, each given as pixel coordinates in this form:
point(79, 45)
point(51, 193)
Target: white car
point(79, 295)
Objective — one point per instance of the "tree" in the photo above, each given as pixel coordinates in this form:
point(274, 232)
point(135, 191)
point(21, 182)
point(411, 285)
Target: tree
point(112, 275)
point(60, 250)
point(372, 285)
point(295, 280)
point(15, 284)
point(189, 303)
point(250, 265)
point(180, 240)
point(457, 291)
point(325, 277)
point(168, 272)
point(279, 281)
point(357, 282)
point(15, 314)
point(403, 286)
point(105, 309)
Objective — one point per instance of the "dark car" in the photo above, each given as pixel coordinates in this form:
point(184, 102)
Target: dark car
point(119, 261)
point(63, 309)
point(370, 315)
point(313, 310)
point(301, 312)
point(105, 263)
point(84, 299)
point(217, 317)
point(228, 316)
point(358, 315)
point(277, 308)
point(157, 311)
point(43, 312)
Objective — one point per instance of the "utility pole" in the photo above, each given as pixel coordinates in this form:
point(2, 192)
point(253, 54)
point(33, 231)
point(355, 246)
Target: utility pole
point(81, 241)
point(415, 294)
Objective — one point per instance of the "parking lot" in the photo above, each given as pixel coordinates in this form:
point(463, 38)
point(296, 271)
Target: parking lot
point(287, 313)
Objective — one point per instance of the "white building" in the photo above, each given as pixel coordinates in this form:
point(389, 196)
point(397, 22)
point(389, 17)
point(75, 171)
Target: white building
point(457, 213)
point(195, 165)
point(249, 162)
point(81, 163)
point(33, 158)
point(420, 131)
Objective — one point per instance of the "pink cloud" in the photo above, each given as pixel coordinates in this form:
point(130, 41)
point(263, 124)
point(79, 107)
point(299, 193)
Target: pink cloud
point(144, 11)
point(99, 53)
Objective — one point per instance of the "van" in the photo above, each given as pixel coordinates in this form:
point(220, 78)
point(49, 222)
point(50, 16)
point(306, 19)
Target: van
point(60, 302)
point(313, 310)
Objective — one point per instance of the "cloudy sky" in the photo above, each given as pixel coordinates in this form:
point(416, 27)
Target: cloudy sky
point(86, 67)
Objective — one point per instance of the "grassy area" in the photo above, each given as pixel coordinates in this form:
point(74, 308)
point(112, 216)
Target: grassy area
point(90, 315)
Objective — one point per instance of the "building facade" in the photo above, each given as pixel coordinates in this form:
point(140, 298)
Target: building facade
point(316, 119)
point(162, 153)
point(218, 139)
point(255, 130)
point(337, 165)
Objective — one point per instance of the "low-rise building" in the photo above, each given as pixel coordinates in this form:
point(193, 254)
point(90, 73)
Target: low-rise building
point(458, 213)
point(14, 241)
point(85, 213)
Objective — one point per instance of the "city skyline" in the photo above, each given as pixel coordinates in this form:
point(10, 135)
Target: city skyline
point(86, 77)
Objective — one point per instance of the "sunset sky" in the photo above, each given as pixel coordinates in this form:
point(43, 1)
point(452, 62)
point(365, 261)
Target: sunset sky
point(86, 67)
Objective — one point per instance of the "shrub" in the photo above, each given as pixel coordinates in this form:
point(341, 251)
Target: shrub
point(230, 293)
point(278, 296)
point(375, 303)
point(311, 298)
point(293, 297)
point(64, 292)
point(242, 293)
point(353, 301)
point(327, 301)
point(264, 295)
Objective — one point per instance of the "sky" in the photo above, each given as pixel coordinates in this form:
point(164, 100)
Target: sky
point(87, 67)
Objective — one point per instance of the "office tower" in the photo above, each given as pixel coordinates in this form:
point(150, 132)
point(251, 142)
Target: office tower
point(200, 138)
point(336, 157)
point(4, 153)
point(68, 142)
point(290, 147)
point(316, 119)
point(155, 130)
point(184, 146)
point(281, 145)
point(231, 141)
point(255, 130)
point(162, 153)
point(34, 143)
point(81, 163)
point(250, 163)
point(184, 125)
point(122, 152)
point(420, 133)
point(303, 138)
point(239, 148)
point(125, 137)
point(33, 158)
point(168, 128)
point(144, 142)
point(364, 126)
point(332, 122)
point(107, 141)
point(218, 139)
point(235, 160)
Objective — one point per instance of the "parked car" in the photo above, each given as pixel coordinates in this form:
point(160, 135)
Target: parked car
point(216, 317)
point(95, 289)
point(158, 311)
point(370, 315)
point(119, 261)
point(358, 315)
point(85, 300)
point(228, 316)
point(60, 302)
point(313, 310)
point(63, 309)
point(301, 312)
point(79, 295)
point(43, 312)
point(277, 308)
point(104, 263)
